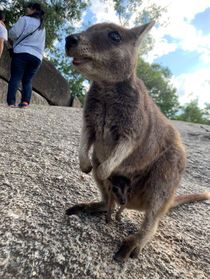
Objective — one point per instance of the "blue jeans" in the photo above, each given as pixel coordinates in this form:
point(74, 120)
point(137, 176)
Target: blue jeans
point(23, 68)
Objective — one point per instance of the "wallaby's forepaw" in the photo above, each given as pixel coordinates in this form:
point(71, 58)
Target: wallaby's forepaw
point(127, 249)
point(85, 165)
point(134, 254)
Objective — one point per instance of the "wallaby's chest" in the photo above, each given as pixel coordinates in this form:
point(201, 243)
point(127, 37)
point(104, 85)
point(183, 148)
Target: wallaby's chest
point(109, 112)
point(104, 118)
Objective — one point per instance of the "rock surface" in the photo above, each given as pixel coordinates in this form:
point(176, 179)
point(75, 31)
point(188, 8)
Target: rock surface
point(40, 178)
point(48, 82)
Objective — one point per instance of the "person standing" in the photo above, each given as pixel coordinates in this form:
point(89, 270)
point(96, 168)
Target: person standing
point(3, 32)
point(28, 37)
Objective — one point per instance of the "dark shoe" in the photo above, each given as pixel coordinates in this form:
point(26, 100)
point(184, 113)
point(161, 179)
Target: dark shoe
point(23, 105)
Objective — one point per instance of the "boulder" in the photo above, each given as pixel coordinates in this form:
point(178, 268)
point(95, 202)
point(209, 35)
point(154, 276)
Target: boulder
point(76, 103)
point(48, 82)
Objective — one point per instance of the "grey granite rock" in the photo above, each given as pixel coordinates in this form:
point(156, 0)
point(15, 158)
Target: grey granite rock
point(40, 178)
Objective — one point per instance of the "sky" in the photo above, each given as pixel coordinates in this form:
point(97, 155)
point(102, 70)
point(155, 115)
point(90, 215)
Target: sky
point(183, 44)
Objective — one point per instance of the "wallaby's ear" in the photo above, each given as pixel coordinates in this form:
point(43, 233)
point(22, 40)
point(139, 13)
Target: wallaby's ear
point(142, 30)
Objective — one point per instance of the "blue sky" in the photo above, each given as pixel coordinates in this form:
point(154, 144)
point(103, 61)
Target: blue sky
point(183, 44)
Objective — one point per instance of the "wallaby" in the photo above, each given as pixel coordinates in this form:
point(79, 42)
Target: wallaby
point(119, 192)
point(126, 130)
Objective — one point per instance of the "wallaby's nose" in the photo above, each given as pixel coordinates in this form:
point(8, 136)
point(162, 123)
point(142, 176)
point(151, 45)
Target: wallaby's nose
point(123, 201)
point(72, 41)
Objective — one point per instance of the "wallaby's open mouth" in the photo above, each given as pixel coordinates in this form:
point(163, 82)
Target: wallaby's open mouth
point(80, 60)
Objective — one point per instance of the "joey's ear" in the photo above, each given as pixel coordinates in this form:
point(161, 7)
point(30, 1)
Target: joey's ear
point(142, 30)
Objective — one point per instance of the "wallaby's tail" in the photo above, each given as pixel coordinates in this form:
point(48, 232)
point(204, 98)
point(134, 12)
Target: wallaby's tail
point(190, 198)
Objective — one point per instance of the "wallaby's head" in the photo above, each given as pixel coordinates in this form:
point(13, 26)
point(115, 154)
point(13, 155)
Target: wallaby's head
point(120, 188)
point(106, 51)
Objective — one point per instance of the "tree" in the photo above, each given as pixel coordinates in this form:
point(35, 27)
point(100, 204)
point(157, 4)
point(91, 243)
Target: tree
point(206, 113)
point(191, 112)
point(56, 14)
point(157, 81)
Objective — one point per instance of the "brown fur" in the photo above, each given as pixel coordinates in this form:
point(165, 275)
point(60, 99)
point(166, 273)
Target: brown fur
point(127, 131)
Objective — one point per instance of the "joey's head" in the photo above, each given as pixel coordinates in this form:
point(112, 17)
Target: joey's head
point(120, 188)
point(105, 51)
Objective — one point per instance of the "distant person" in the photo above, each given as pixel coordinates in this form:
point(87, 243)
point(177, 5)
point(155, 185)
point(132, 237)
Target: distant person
point(3, 32)
point(28, 37)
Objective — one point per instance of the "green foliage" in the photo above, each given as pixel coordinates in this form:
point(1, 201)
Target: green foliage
point(157, 81)
point(191, 112)
point(56, 14)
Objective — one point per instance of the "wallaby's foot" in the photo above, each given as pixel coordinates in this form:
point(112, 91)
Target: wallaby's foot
point(127, 249)
point(86, 169)
point(94, 207)
point(134, 254)
point(118, 217)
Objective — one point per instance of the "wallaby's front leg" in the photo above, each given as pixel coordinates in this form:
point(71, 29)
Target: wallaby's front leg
point(119, 154)
point(86, 140)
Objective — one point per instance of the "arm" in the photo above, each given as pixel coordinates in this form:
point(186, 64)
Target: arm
point(17, 29)
point(119, 154)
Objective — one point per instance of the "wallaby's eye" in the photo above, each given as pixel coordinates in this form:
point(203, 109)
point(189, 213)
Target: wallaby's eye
point(114, 36)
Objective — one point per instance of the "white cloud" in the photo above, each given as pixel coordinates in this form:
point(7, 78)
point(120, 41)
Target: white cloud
point(104, 11)
point(180, 28)
point(193, 85)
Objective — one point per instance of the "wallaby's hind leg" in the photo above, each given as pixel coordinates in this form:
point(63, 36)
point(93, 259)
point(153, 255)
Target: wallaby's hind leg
point(93, 207)
point(159, 196)
point(134, 244)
